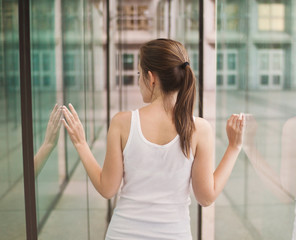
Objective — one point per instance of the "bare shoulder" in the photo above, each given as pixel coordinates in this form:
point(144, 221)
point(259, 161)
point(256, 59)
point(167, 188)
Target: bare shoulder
point(202, 126)
point(203, 129)
point(122, 119)
point(122, 123)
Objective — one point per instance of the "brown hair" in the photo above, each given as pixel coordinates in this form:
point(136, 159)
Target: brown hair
point(166, 58)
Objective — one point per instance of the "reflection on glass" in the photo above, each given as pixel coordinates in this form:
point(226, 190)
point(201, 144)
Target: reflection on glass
point(67, 52)
point(255, 75)
point(282, 184)
point(50, 139)
point(12, 209)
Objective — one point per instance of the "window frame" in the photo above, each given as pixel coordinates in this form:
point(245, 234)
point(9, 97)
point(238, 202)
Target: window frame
point(271, 71)
point(225, 72)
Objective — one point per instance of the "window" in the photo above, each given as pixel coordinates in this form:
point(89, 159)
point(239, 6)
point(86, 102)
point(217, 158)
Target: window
point(43, 68)
point(271, 68)
point(129, 63)
point(10, 15)
point(229, 16)
point(72, 16)
point(271, 17)
point(43, 16)
point(12, 68)
point(227, 69)
point(72, 68)
point(192, 11)
point(161, 16)
point(133, 17)
point(194, 61)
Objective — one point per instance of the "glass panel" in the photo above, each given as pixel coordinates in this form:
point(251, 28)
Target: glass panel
point(263, 10)
point(12, 209)
point(264, 79)
point(219, 61)
point(278, 10)
point(128, 80)
point(231, 61)
point(278, 24)
point(231, 79)
point(277, 59)
point(276, 80)
point(258, 201)
point(219, 80)
point(195, 61)
point(264, 24)
point(45, 120)
point(271, 16)
point(46, 62)
point(264, 61)
point(128, 61)
point(67, 67)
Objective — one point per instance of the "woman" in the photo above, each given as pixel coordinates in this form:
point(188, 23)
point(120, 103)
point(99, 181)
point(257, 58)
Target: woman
point(158, 150)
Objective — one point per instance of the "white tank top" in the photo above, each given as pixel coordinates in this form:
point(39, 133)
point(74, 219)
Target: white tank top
point(155, 195)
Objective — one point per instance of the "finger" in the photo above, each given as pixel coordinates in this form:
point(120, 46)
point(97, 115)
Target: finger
point(236, 121)
point(232, 121)
point(229, 121)
point(53, 112)
point(243, 121)
point(66, 125)
point(58, 115)
point(59, 123)
point(68, 116)
point(239, 120)
point(74, 112)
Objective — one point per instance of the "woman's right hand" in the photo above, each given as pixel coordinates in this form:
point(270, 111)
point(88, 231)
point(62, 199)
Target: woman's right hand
point(235, 130)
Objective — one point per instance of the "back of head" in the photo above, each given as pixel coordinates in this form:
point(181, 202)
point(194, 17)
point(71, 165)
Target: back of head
point(169, 60)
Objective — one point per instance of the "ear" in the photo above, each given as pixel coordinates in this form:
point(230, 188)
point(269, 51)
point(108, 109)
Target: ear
point(152, 79)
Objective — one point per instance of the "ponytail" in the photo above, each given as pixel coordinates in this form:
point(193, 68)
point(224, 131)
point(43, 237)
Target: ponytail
point(168, 59)
point(183, 110)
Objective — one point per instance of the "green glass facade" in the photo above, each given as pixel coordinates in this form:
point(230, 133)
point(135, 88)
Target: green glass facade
point(12, 208)
point(255, 75)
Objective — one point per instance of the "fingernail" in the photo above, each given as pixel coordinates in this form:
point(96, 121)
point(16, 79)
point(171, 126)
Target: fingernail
point(240, 116)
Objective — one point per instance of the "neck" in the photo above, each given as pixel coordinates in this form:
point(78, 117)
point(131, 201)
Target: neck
point(166, 102)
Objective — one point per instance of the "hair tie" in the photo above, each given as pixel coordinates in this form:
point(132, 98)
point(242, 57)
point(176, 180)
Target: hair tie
point(184, 65)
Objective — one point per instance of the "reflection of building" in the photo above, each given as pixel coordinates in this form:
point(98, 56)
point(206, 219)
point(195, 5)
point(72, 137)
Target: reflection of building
point(259, 41)
point(44, 22)
point(136, 23)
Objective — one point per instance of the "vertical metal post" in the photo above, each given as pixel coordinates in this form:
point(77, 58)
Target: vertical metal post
point(26, 112)
point(200, 93)
point(109, 215)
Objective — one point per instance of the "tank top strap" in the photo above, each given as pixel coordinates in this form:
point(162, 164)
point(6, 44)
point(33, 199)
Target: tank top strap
point(133, 128)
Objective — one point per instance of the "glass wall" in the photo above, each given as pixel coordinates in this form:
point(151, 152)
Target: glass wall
point(255, 75)
point(67, 59)
point(12, 209)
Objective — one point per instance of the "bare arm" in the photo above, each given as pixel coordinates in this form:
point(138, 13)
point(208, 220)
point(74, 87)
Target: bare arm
point(281, 185)
point(206, 184)
point(106, 180)
point(50, 141)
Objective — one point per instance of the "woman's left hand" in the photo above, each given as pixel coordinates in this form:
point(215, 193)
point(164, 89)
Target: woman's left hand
point(235, 130)
point(74, 126)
